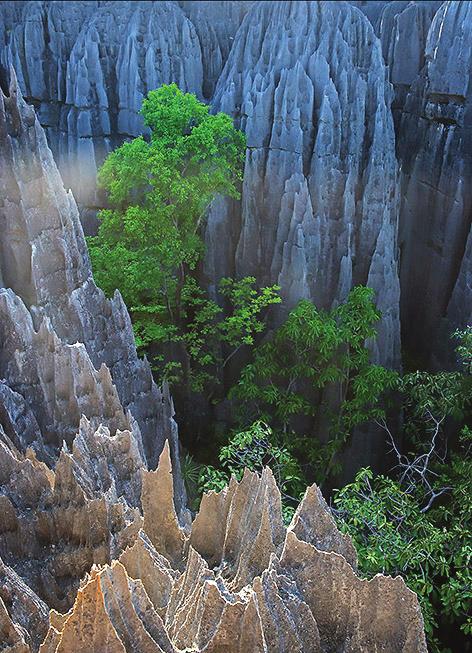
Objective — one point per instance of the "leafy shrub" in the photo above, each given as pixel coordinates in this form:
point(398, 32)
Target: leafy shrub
point(419, 523)
point(255, 449)
point(312, 355)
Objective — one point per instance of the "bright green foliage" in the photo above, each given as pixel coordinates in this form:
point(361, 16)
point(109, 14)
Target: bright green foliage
point(159, 191)
point(312, 354)
point(255, 449)
point(419, 525)
point(149, 241)
point(211, 336)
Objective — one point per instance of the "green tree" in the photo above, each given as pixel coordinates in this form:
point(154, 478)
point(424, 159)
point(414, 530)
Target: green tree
point(149, 241)
point(314, 357)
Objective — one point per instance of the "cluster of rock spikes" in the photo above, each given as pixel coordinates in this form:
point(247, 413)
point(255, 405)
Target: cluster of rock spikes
point(236, 580)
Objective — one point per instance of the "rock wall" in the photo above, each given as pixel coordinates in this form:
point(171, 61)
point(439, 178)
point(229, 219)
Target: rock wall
point(340, 146)
point(403, 29)
point(65, 350)
point(81, 419)
point(425, 45)
point(216, 24)
point(435, 148)
point(87, 66)
point(307, 83)
point(320, 133)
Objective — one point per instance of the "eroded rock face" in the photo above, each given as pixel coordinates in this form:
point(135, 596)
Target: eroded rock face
point(216, 23)
point(76, 352)
point(307, 83)
point(58, 523)
point(24, 618)
point(435, 149)
point(403, 30)
point(80, 416)
point(250, 585)
point(319, 129)
point(87, 66)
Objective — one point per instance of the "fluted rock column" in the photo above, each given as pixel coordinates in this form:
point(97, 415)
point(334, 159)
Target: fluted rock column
point(65, 350)
point(307, 83)
point(434, 148)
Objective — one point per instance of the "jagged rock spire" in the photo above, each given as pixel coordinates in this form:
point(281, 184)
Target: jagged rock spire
point(251, 585)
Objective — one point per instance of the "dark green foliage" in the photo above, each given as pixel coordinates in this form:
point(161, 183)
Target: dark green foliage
point(419, 523)
point(313, 354)
point(431, 549)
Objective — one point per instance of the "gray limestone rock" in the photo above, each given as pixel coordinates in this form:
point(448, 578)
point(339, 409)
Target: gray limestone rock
point(26, 610)
point(86, 67)
point(319, 208)
point(403, 29)
point(216, 23)
point(435, 147)
point(44, 262)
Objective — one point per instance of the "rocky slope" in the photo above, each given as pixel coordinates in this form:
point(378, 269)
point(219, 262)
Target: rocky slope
point(80, 416)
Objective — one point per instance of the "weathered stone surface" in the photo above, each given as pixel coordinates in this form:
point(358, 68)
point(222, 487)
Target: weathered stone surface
point(57, 524)
point(253, 587)
point(316, 228)
point(311, 240)
point(307, 83)
point(57, 380)
point(75, 400)
point(216, 23)
point(403, 29)
point(314, 523)
point(160, 519)
point(12, 640)
point(343, 605)
point(86, 66)
point(22, 613)
point(435, 148)
point(78, 354)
